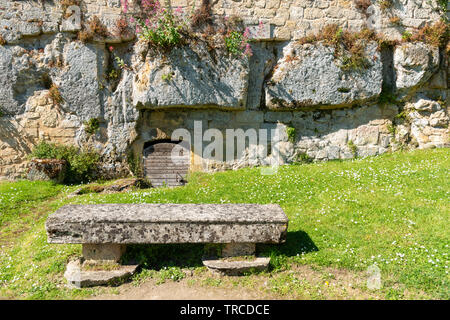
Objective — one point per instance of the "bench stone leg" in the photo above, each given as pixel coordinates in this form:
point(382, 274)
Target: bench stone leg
point(238, 249)
point(231, 264)
point(99, 266)
point(103, 252)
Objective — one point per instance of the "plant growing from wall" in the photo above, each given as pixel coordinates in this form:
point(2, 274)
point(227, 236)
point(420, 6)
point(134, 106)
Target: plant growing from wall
point(386, 4)
point(302, 157)
point(167, 76)
point(349, 46)
point(362, 6)
point(442, 9)
point(406, 36)
point(436, 34)
point(2, 41)
point(392, 129)
point(134, 163)
point(237, 43)
point(353, 148)
point(94, 28)
point(395, 21)
point(291, 133)
point(85, 35)
point(91, 126)
point(160, 27)
point(122, 27)
point(166, 28)
point(54, 95)
point(164, 32)
point(97, 28)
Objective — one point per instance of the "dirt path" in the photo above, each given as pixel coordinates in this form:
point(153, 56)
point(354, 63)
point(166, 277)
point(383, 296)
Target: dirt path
point(323, 283)
point(180, 291)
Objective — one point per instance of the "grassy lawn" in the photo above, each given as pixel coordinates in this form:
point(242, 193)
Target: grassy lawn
point(391, 211)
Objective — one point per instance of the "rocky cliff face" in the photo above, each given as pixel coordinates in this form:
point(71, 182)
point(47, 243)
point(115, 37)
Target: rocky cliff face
point(139, 95)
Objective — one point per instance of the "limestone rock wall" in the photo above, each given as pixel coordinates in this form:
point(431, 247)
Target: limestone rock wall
point(289, 19)
point(140, 96)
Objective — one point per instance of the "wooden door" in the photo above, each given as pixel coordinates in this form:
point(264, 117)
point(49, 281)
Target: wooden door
point(166, 164)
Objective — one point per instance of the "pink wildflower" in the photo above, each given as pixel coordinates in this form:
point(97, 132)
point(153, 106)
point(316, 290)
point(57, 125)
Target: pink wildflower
point(124, 5)
point(246, 33)
point(248, 50)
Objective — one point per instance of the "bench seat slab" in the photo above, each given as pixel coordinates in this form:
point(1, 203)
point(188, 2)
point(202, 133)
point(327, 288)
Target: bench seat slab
point(167, 223)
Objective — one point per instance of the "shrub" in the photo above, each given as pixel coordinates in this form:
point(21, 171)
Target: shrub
point(2, 41)
point(80, 163)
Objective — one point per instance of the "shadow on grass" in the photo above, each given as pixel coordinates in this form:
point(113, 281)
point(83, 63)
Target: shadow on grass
point(159, 256)
point(297, 242)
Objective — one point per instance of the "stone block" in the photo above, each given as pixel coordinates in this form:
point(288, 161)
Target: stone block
point(167, 223)
point(414, 64)
point(198, 78)
point(103, 252)
point(309, 75)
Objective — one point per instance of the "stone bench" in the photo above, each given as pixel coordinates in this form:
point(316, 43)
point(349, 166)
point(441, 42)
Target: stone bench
point(105, 229)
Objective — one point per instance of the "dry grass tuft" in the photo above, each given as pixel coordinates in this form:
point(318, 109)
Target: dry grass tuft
point(436, 34)
point(55, 95)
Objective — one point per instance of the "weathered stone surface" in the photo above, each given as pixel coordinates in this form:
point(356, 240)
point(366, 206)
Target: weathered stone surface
point(167, 223)
point(78, 277)
point(309, 75)
point(103, 252)
point(414, 64)
point(19, 79)
point(238, 249)
point(79, 85)
point(39, 52)
point(192, 76)
point(236, 267)
point(118, 186)
point(429, 123)
point(47, 169)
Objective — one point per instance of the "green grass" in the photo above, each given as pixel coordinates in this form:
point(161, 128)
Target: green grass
point(390, 210)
